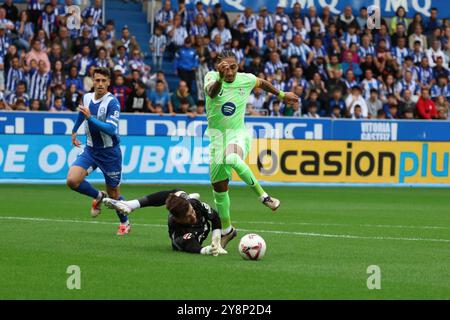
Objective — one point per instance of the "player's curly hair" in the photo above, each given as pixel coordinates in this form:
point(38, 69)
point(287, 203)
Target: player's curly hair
point(225, 54)
point(177, 206)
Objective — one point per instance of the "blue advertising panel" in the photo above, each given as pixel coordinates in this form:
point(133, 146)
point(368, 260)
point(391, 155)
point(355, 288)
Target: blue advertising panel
point(387, 7)
point(20, 123)
point(145, 159)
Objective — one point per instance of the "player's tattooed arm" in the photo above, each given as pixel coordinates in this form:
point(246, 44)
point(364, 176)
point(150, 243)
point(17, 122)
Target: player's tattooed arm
point(214, 89)
point(266, 86)
point(288, 97)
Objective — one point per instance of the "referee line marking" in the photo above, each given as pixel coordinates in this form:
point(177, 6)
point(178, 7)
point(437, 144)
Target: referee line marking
point(292, 233)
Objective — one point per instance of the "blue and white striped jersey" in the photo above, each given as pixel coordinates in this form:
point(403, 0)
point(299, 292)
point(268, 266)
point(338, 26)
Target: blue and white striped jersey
point(107, 109)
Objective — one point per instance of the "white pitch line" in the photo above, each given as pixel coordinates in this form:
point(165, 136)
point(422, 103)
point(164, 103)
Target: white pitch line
point(343, 225)
point(293, 233)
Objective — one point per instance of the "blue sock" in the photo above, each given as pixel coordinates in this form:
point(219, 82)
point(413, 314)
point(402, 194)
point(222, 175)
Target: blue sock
point(123, 218)
point(87, 189)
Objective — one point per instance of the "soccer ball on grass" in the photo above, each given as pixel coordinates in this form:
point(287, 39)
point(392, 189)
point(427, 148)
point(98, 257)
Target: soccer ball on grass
point(252, 247)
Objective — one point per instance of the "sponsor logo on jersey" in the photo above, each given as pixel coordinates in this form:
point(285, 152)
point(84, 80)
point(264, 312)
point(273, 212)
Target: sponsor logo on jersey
point(228, 109)
point(187, 236)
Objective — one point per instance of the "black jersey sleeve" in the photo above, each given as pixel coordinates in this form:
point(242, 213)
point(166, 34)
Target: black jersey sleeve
point(213, 216)
point(187, 243)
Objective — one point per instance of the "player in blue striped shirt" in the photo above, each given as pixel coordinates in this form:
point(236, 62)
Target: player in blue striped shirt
point(100, 112)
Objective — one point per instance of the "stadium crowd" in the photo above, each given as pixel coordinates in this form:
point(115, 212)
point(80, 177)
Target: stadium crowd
point(335, 63)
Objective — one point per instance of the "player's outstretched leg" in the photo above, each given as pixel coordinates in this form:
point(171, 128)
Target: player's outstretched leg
point(76, 181)
point(125, 226)
point(222, 201)
point(246, 174)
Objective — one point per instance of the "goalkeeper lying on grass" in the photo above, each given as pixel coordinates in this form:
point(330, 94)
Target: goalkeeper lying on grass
point(190, 220)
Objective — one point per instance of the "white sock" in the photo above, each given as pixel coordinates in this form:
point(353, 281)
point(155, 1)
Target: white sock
point(133, 204)
point(265, 195)
point(226, 231)
point(125, 223)
point(99, 196)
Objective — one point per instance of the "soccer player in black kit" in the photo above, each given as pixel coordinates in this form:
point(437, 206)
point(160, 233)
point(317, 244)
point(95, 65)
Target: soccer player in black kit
point(190, 220)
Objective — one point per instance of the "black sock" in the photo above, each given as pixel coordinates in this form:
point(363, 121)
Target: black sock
point(157, 199)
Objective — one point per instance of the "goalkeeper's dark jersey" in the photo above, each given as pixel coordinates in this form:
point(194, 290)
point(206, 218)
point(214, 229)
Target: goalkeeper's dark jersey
point(189, 238)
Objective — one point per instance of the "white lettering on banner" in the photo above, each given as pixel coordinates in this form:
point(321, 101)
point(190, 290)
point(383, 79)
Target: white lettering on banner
point(332, 5)
point(379, 131)
point(200, 163)
point(1, 156)
point(177, 158)
point(17, 128)
point(44, 158)
point(425, 9)
point(192, 128)
point(151, 125)
point(394, 4)
point(123, 127)
point(49, 124)
point(152, 159)
point(73, 154)
point(14, 157)
point(134, 159)
point(235, 3)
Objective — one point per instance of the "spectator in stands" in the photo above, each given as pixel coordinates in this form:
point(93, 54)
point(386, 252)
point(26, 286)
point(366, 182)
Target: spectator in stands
point(357, 113)
point(256, 66)
point(406, 102)
point(336, 113)
point(355, 99)
point(434, 52)
point(391, 107)
point(348, 64)
point(426, 109)
point(432, 22)
point(121, 91)
point(361, 20)
point(186, 62)
point(440, 88)
point(75, 79)
point(161, 96)
point(336, 102)
point(157, 45)
point(439, 70)
point(225, 33)
point(257, 101)
point(83, 61)
point(176, 34)
point(200, 110)
point(182, 94)
point(312, 111)
point(164, 17)
point(20, 93)
point(58, 105)
point(37, 54)
point(441, 104)
point(14, 75)
point(12, 12)
point(66, 43)
point(25, 31)
point(248, 19)
point(345, 19)
point(95, 11)
point(73, 98)
point(218, 14)
point(137, 101)
point(39, 85)
point(121, 60)
point(35, 105)
point(275, 110)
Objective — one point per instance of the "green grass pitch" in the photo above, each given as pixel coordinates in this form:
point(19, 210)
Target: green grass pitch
point(319, 246)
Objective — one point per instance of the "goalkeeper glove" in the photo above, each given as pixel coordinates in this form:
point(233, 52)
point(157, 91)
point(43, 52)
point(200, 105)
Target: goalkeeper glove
point(217, 247)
